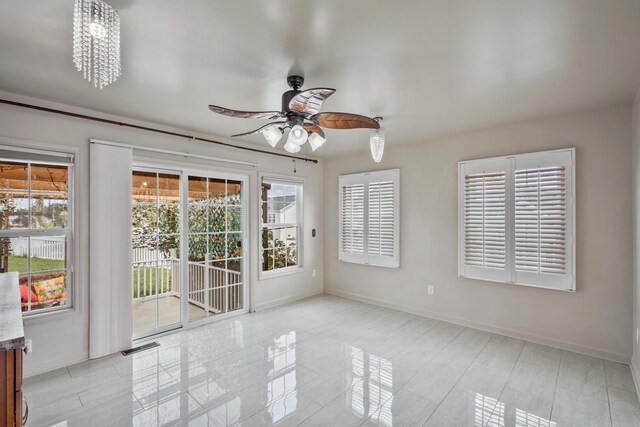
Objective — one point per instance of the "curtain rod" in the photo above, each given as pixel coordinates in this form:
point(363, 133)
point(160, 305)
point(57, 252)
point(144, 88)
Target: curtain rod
point(174, 153)
point(150, 129)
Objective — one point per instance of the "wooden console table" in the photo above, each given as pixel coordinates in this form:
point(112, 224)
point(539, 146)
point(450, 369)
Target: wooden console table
point(11, 345)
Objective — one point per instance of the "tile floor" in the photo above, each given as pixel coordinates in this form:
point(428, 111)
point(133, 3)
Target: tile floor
point(150, 314)
point(328, 361)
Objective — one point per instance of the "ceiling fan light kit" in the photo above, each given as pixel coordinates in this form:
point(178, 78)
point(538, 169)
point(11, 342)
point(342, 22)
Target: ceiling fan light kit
point(298, 135)
point(316, 141)
point(291, 147)
point(272, 134)
point(301, 113)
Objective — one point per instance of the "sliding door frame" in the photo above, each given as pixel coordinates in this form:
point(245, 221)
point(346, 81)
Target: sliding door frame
point(177, 325)
point(186, 170)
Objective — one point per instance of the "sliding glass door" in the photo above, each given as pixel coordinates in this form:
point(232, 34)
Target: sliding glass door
point(155, 220)
point(215, 234)
point(201, 216)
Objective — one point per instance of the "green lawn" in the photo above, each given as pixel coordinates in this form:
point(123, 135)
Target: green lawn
point(19, 264)
point(148, 285)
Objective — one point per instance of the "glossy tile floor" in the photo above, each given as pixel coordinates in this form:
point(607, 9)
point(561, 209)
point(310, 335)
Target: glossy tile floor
point(150, 314)
point(328, 361)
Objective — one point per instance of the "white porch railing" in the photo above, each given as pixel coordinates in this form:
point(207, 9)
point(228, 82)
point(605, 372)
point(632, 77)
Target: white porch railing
point(214, 289)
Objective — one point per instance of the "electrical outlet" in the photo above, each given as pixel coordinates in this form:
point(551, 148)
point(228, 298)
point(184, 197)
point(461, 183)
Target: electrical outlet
point(430, 290)
point(313, 273)
point(28, 344)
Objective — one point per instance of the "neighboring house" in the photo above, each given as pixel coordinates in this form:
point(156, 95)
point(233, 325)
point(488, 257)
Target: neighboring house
point(286, 214)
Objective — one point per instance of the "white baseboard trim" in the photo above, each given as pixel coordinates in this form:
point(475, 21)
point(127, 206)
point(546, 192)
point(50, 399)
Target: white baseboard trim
point(285, 300)
point(563, 345)
point(635, 373)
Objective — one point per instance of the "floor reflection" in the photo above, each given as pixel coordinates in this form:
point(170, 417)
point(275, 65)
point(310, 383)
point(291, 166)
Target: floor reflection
point(282, 376)
point(373, 395)
point(495, 413)
point(525, 419)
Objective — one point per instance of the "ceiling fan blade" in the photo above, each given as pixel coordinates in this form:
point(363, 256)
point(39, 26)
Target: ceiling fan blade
point(261, 128)
point(310, 101)
point(246, 114)
point(345, 121)
point(310, 127)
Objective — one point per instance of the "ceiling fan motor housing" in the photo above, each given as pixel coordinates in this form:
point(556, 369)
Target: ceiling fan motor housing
point(293, 117)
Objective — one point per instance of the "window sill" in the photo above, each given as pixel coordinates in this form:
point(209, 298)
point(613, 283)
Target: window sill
point(521, 284)
point(267, 275)
point(49, 316)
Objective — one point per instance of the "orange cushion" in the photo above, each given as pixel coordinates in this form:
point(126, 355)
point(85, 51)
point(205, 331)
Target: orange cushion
point(52, 289)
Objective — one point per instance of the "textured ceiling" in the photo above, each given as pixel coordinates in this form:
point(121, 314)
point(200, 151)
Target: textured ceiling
point(431, 68)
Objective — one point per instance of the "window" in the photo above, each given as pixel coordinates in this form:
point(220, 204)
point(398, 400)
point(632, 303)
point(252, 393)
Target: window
point(516, 219)
point(369, 224)
point(36, 227)
point(281, 224)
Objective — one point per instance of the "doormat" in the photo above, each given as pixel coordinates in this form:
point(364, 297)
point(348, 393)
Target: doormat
point(140, 348)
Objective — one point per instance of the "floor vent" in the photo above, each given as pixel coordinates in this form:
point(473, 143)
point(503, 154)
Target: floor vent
point(141, 348)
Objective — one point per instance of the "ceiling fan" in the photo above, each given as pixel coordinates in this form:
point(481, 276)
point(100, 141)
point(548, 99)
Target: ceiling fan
point(301, 113)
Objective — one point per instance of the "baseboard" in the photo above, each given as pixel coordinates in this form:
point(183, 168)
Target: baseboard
point(285, 300)
point(563, 345)
point(635, 373)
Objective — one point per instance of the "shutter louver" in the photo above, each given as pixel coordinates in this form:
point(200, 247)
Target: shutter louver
point(540, 220)
point(381, 219)
point(484, 220)
point(352, 219)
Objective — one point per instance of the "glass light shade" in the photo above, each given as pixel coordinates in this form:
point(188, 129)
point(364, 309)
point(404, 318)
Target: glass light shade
point(377, 144)
point(316, 141)
point(272, 134)
point(298, 135)
point(291, 147)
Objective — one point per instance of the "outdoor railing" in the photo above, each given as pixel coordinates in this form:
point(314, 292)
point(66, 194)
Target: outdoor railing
point(208, 288)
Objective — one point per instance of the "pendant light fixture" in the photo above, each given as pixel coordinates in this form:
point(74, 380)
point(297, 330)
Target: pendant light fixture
point(96, 41)
point(376, 140)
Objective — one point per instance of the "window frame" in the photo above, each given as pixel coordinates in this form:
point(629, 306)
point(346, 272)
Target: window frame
point(36, 156)
point(365, 179)
point(299, 225)
point(566, 282)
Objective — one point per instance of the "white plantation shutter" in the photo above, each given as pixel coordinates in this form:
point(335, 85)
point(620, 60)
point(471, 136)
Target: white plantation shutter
point(543, 223)
point(381, 232)
point(483, 219)
point(517, 219)
point(369, 218)
point(352, 217)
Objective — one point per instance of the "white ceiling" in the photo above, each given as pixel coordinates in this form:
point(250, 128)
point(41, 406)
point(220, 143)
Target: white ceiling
point(431, 68)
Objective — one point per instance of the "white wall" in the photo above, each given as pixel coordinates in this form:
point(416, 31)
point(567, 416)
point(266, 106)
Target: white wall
point(635, 362)
point(62, 338)
point(595, 320)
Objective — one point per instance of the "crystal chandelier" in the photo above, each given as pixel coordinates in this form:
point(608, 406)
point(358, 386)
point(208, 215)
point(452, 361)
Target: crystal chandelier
point(96, 41)
point(377, 141)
